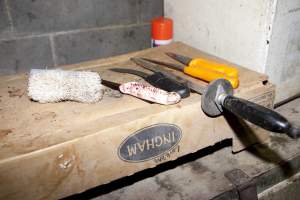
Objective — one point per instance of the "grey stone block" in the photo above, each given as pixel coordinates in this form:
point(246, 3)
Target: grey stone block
point(4, 22)
point(77, 47)
point(150, 9)
point(33, 16)
point(22, 54)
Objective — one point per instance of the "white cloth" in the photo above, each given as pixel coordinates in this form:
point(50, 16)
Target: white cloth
point(48, 86)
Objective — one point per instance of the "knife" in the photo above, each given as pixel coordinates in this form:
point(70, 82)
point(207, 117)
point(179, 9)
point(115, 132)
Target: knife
point(159, 80)
point(145, 92)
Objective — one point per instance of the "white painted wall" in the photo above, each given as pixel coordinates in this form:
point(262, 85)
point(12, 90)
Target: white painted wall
point(241, 31)
point(283, 61)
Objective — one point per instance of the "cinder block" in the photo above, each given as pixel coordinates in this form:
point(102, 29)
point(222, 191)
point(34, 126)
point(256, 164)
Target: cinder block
point(31, 16)
point(77, 47)
point(151, 9)
point(4, 22)
point(22, 54)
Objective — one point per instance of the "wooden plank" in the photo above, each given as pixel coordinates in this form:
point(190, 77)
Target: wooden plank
point(31, 126)
point(68, 147)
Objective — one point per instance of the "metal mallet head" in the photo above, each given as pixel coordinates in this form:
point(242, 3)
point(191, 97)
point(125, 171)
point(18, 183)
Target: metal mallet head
point(210, 100)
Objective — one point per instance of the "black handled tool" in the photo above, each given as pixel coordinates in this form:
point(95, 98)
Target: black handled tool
point(159, 80)
point(218, 95)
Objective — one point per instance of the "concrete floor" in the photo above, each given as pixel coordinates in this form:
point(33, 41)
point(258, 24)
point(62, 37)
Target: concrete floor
point(273, 165)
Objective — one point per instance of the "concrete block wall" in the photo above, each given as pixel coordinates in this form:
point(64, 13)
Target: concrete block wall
point(39, 33)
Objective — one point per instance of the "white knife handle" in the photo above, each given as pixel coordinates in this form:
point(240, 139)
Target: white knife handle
point(150, 93)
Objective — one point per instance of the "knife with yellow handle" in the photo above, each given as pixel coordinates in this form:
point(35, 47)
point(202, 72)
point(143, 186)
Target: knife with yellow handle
point(202, 69)
point(204, 63)
point(209, 75)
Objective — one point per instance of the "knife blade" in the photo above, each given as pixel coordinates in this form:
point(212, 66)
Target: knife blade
point(155, 68)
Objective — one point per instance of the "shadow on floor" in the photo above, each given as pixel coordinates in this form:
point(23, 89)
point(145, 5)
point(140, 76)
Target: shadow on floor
point(262, 151)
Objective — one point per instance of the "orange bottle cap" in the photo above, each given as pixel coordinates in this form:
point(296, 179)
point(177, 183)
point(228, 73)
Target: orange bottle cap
point(162, 28)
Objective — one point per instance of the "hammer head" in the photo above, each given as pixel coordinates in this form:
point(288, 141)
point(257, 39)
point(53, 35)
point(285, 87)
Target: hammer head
point(209, 101)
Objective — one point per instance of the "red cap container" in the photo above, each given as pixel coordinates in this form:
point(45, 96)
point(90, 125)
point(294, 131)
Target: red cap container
point(162, 28)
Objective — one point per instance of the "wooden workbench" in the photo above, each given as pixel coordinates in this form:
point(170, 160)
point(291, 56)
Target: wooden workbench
point(58, 149)
point(273, 166)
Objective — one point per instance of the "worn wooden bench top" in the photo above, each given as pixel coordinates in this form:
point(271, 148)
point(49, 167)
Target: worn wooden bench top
point(30, 130)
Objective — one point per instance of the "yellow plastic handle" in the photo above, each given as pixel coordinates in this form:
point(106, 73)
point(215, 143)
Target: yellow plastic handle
point(210, 75)
point(211, 65)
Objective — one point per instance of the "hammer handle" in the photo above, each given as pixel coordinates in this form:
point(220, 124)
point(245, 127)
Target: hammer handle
point(258, 115)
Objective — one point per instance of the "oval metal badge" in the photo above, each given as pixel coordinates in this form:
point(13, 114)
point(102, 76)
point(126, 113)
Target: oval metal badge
point(149, 142)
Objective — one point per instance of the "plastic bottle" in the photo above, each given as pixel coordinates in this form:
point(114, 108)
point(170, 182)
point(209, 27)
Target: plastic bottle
point(161, 31)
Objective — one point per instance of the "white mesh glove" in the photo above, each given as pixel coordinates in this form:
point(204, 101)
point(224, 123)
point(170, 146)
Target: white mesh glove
point(48, 86)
